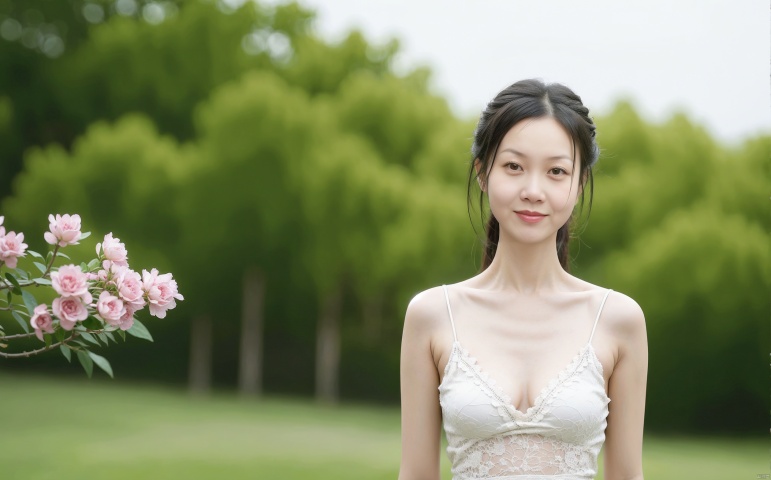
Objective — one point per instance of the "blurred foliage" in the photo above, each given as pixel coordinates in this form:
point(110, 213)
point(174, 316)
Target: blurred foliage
point(212, 139)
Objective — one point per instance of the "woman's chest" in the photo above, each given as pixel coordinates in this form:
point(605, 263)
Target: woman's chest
point(572, 404)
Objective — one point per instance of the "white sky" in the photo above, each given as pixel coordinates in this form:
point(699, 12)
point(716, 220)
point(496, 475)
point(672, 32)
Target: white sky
point(710, 58)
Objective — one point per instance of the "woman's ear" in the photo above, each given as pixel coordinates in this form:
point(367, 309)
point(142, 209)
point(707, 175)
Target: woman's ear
point(480, 177)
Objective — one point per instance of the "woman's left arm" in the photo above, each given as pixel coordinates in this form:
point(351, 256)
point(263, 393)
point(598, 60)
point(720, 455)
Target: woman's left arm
point(627, 384)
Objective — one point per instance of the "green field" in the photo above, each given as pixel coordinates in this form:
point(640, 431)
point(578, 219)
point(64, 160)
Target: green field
point(99, 429)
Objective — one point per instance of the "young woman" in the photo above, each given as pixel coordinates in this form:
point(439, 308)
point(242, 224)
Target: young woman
point(529, 369)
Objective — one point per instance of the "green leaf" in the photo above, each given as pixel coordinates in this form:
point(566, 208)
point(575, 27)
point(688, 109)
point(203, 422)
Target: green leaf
point(101, 362)
point(22, 274)
point(12, 279)
point(66, 352)
point(89, 338)
point(47, 339)
point(10, 296)
point(85, 235)
point(24, 325)
point(40, 267)
point(60, 334)
point(93, 264)
point(60, 254)
point(86, 362)
point(83, 267)
point(16, 287)
point(92, 323)
point(122, 334)
point(29, 301)
point(42, 281)
point(108, 335)
point(140, 331)
point(34, 254)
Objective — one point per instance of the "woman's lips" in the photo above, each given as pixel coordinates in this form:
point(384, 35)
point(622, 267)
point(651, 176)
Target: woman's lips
point(530, 217)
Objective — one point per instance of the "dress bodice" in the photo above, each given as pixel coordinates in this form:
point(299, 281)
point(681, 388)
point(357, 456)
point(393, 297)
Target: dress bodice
point(559, 437)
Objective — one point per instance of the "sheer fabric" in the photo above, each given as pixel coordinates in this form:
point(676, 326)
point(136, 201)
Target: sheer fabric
point(559, 437)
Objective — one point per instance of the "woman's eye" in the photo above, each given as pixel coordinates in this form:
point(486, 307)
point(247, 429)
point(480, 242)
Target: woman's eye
point(513, 166)
point(558, 171)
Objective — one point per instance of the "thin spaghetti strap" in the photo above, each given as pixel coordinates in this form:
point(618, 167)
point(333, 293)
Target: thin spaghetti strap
point(599, 312)
point(449, 310)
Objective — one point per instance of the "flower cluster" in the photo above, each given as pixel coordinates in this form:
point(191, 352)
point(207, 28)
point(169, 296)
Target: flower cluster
point(106, 292)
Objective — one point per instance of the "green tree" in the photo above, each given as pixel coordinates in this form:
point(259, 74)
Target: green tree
point(118, 176)
point(255, 134)
point(130, 63)
point(398, 115)
point(320, 67)
point(678, 224)
point(700, 279)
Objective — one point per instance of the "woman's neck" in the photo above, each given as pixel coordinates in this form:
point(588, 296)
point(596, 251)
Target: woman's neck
point(524, 268)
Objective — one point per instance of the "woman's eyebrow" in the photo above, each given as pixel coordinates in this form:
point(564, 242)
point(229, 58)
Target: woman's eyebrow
point(553, 157)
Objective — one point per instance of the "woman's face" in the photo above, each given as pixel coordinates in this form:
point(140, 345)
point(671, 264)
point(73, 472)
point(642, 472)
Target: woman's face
point(533, 182)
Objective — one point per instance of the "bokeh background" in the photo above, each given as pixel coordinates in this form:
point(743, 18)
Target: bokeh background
point(302, 168)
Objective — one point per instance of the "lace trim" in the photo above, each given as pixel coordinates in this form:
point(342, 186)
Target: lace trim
point(501, 457)
point(468, 365)
point(501, 400)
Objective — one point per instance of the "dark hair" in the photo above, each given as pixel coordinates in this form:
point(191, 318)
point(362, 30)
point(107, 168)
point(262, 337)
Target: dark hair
point(532, 99)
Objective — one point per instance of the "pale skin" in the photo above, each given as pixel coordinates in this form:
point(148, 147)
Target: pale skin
point(524, 318)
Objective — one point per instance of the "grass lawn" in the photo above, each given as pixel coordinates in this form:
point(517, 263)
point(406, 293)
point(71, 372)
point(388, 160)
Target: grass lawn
point(101, 429)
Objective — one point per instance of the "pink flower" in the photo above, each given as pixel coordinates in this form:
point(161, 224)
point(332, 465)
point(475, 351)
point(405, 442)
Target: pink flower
point(129, 284)
point(11, 247)
point(70, 281)
point(110, 308)
point(65, 229)
point(69, 310)
point(101, 275)
point(109, 271)
point(2, 229)
point(113, 250)
point(41, 321)
point(161, 291)
point(127, 320)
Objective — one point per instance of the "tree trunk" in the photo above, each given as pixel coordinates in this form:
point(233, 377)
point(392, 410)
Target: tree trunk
point(372, 311)
point(250, 368)
point(328, 347)
point(199, 374)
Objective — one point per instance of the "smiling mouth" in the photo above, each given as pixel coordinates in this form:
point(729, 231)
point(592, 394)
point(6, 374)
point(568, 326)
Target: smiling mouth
point(530, 217)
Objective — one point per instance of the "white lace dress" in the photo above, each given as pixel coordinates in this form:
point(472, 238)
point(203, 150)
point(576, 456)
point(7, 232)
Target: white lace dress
point(559, 437)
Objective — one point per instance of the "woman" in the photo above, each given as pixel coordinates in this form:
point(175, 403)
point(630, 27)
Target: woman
point(528, 368)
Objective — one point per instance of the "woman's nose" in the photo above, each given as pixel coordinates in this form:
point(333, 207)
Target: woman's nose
point(532, 189)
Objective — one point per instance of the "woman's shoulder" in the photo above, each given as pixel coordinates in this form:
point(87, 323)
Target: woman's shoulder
point(426, 309)
point(622, 314)
point(617, 303)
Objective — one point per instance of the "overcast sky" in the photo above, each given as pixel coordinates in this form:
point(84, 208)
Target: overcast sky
point(708, 57)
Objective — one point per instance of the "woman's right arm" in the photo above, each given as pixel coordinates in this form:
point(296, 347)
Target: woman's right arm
point(421, 414)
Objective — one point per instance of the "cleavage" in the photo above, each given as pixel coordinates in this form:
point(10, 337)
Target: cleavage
point(505, 380)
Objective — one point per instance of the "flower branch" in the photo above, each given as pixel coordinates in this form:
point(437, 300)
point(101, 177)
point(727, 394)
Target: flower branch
point(16, 336)
point(51, 263)
point(94, 299)
point(39, 350)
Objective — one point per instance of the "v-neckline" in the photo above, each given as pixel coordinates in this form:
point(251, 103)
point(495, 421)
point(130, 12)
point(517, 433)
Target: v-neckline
point(504, 398)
